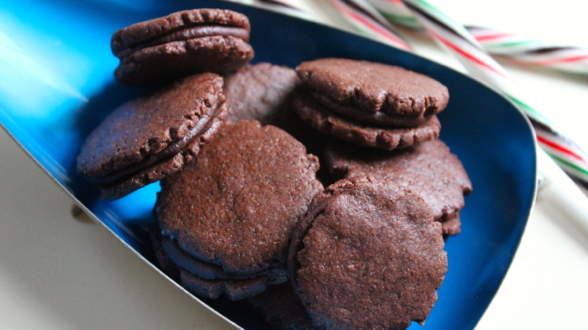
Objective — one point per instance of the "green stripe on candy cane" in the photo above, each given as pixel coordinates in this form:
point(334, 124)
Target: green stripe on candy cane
point(402, 20)
point(528, 110)
point(489, 46)
point(395, 12)
point(570, 165)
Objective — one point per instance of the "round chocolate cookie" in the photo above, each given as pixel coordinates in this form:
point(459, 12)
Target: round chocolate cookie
point(368, 255)
point(152, 137)
point(428, 168)
point(182, 43)
point(372, 92)
point(387, 138)
point(238, 203)
point(260, 92)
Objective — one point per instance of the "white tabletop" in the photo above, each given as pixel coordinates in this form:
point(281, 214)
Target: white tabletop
point(59, 272)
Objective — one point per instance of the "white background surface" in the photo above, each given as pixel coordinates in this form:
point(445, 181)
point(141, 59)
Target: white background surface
point(57, 272)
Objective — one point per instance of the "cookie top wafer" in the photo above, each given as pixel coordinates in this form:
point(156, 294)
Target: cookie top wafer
point(153, 136)
point(373, 92)
point(239, 202)
point(368, 255)
point(182, 43)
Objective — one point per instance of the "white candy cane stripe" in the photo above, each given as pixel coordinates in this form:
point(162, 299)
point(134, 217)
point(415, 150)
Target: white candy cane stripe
point(369, 22)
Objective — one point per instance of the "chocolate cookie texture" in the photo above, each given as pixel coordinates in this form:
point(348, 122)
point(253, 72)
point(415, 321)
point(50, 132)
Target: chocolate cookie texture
point(428, 168)
point(368, 256)
point(238, 203)
point(182, 43)
point(152, 137)
point(369, 103)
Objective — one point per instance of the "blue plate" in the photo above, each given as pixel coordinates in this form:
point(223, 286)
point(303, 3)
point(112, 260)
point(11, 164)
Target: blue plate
point(57, 84)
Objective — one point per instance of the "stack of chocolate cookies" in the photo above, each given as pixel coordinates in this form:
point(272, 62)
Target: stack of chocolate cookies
point(243, 211)
point(383, 123)
point(234, 210)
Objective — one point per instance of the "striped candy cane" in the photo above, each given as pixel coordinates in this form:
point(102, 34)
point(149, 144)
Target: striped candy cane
point(456, 38)
point(524, 50)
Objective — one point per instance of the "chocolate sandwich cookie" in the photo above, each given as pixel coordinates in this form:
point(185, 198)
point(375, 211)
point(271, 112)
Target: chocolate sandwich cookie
point(429, 169)
point(368, 255)
point(152, 137)
point(182, 43)
point(238, 203)
point(368, 103)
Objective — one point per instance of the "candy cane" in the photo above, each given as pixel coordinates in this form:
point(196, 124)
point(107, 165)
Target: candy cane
point(532, 51)
point(524, 50)
point(455, 38)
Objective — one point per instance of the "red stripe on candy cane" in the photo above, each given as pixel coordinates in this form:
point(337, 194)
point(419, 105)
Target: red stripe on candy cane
point(559, 148)
point(467, 55)
point(490, 36)
point(562, 60)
